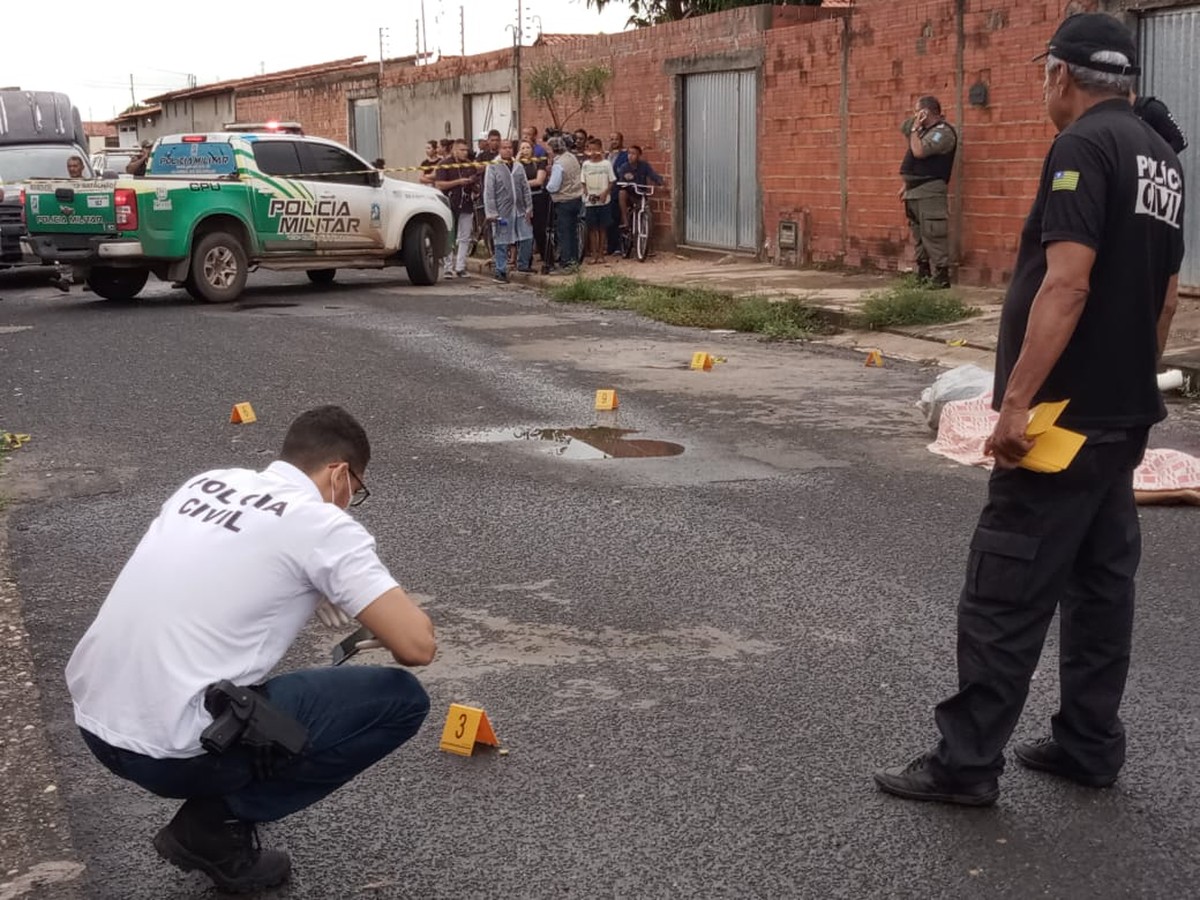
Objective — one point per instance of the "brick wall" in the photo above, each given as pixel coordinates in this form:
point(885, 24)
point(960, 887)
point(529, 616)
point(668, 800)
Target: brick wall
point(321, 104)
point(641, 99)
point(839, 180)
point(834, 174)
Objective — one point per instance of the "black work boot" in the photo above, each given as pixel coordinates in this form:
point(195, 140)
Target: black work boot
point(916, 781)
point(205, 836)
point(1045, 755)
point(941, 279)
point(923, 270)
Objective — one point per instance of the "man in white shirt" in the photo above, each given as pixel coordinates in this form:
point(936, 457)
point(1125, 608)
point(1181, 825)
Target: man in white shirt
point(228, 573)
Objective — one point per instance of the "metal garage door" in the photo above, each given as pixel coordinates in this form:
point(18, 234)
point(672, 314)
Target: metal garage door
point(719, 167)
point(364, 135)
point(1170, 39)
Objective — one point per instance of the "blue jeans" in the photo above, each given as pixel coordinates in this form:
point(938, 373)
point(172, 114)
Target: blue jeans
point(355, 716)
point(501, 258)
point(566, 225)
point(525, 254)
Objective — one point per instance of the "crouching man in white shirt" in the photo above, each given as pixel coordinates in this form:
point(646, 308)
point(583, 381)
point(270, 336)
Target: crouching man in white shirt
point(222, 582)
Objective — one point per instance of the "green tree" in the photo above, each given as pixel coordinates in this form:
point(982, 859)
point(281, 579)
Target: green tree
point(567, 92)
point(655, 12)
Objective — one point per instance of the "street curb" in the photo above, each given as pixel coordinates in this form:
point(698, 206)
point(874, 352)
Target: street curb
point(840, 319)
point(837, 317)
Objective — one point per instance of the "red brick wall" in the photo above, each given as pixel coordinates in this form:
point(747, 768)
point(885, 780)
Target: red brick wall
point(897, 52)
point(321, 104)
point(640, 102)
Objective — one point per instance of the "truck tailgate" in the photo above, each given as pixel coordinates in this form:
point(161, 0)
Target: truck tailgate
point(70, 207)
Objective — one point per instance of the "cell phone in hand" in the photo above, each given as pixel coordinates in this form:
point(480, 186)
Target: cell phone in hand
point(349, 646)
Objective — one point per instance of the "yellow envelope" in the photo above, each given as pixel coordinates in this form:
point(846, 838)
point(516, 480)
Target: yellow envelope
point(1043, 416)
point(1053, 450)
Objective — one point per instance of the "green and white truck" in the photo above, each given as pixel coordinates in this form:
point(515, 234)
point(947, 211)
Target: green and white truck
point(212, 207)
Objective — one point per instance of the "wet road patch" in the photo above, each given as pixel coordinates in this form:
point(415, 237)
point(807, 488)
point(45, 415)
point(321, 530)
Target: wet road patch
point(592, 442)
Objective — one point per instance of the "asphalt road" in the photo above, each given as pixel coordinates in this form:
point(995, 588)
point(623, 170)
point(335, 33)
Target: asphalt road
point(695, 661)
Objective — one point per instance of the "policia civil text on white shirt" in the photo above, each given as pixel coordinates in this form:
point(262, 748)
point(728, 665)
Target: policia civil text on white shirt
point(224, 579)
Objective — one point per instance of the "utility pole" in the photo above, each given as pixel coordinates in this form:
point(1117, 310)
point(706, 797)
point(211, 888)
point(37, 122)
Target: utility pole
point(419, 61)
point(132, 97)
point(517, 64)
point(462, 32)
point(424, 41)
point(382, 37)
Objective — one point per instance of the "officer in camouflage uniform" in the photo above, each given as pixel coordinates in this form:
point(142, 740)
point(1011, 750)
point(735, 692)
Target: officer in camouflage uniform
point(926, 172)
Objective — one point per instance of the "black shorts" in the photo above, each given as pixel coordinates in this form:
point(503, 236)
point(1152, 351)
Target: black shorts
point(597, 216)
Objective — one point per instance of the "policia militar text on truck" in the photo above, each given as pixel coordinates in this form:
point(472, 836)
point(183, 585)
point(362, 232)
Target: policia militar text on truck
point(212, 207)
point(39, 132)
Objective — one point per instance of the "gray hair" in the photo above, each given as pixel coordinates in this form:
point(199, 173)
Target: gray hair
point(1095, 82)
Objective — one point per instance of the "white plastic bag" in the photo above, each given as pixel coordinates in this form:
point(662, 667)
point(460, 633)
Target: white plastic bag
point(960, 383)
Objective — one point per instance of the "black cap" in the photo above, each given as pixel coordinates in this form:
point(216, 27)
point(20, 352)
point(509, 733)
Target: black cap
point(1082, 35)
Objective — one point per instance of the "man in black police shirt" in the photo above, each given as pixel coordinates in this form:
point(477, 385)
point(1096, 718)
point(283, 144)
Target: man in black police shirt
point(1085, 320)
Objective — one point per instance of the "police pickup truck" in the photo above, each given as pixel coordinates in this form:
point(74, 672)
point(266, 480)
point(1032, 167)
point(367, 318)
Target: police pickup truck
point(211, 207)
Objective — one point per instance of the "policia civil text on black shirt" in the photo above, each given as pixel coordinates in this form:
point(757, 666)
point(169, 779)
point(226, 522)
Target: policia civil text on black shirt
point(926, 168)
point(1085, 320)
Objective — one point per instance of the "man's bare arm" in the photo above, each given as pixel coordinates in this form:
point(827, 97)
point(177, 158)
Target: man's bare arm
point(1052, 320)
point(1170, 302)
point(402, 627)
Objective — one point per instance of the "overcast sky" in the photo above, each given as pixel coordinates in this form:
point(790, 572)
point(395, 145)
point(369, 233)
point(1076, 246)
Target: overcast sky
point(89, 49)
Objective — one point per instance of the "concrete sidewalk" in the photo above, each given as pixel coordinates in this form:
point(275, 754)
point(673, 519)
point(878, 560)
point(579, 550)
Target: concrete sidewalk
point(840, 295)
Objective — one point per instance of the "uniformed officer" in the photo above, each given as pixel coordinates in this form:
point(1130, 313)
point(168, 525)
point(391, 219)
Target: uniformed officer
point(932, 142)
point(1085, 320)
point(222, 582)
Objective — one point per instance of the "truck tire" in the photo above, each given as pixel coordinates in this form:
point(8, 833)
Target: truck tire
point(219, 268)
point(117, 284)
point(321, 276)
point(419, 260)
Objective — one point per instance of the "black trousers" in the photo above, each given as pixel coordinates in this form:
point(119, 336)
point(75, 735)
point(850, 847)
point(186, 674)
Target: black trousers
point(1069, 540)
point(541, 221)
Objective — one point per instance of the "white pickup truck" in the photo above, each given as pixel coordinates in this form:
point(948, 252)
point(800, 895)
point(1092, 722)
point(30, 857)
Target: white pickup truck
point(211, 207)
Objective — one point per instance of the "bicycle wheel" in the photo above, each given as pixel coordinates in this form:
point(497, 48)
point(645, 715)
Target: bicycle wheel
point(643, 232)
point(627, 233)
point(551, 242)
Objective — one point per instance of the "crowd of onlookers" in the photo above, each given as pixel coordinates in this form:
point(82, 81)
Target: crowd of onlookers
point(529, 196)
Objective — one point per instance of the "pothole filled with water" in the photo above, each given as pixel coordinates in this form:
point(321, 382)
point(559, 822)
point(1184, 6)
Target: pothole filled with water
point(593, 442)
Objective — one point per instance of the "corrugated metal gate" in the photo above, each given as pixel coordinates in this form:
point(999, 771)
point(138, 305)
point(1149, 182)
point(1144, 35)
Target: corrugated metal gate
point(1170, 46)
point(720, 167)
point(365, 128)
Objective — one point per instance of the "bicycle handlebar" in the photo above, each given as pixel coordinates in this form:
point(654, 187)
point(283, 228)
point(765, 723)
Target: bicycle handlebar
point(644, 189)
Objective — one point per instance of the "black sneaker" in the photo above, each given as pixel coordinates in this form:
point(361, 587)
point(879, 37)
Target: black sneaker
point(916, 782)
point(461, 273)
point(500, 278)
point(1045, 755)
point(203, 835)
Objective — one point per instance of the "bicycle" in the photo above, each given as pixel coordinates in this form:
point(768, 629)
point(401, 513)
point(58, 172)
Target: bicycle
point(635, 236)
point(481, 231)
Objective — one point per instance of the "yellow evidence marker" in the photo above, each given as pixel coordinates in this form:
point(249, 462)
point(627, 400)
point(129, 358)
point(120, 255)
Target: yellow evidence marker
point(874, 359)
point(702, 361)
point(243, 414)
point(606, 400)
point(465, 727)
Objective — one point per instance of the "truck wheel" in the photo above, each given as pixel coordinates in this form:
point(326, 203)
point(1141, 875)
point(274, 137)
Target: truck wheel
point(219, 268)
point(321, 276)
point(117, 284)
point(419, 260)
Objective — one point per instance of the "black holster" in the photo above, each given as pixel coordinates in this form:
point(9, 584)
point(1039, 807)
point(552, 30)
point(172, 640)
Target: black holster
point(243, 716)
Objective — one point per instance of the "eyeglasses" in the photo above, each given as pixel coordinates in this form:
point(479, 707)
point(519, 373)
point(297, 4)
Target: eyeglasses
point(359, 497)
